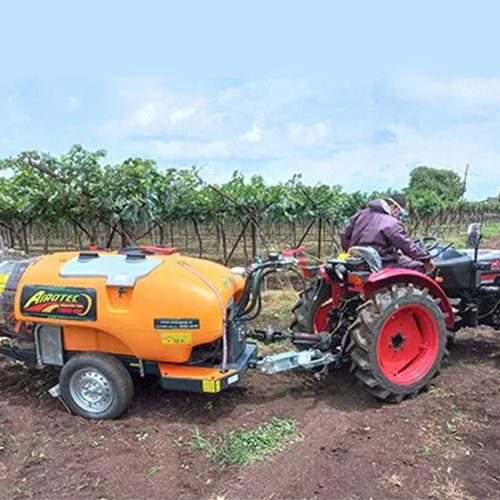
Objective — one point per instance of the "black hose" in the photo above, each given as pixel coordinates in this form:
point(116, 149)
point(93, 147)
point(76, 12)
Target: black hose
point(256, 298)
point(256, 289)
point(249, 286)
point(245, 297)
point(245, 317)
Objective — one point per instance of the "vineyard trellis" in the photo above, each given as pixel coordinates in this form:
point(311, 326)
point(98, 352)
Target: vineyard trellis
point(78, 200)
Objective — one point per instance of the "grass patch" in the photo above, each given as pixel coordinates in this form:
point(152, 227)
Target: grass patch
point(427, 451)
point(459, 240)
point(6, 436)
point(152, 471)
point(491, 230)
point(246, 447)
point(277, 308)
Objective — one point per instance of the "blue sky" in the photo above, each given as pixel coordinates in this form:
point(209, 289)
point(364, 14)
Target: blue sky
point(353, 93)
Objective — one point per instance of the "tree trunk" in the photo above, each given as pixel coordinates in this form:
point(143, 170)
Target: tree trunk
point(25, 238)
point(217, 237)
point(45, 240)
point(198, 236)
point(320, 230)
point(109, 242)
point(124, 237)
point(172, 240)
point(245, 246)
point(12, 237)
point(254, 240)
point(161, 231)
point(224, 242)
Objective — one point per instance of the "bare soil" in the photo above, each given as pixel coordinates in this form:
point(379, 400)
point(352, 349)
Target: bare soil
point(445, 444)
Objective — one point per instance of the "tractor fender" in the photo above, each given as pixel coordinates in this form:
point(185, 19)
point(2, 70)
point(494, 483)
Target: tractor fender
point(390, 276)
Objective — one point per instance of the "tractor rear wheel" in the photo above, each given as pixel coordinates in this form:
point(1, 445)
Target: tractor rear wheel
point(96, 385)
point(398, 342)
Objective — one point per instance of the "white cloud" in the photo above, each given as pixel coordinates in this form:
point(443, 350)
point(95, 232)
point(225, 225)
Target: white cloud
point(418, 88)
point(461, 91)
point(254, 135)
point(150, 109)
point(192, 150)
point(154, 109)
point(304, 135)
point(369, 167)
point(267, 121)
point(476, 91)
point(179, 115)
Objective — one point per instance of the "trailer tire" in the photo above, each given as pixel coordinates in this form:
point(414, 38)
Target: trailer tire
point(398, 342)
point(96, 385)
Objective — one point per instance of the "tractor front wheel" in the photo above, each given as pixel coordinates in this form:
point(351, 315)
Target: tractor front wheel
point(398, 342)
point(312, 311)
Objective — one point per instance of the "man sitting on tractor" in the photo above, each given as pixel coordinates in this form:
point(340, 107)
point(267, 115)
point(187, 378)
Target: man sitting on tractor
point(379, 226)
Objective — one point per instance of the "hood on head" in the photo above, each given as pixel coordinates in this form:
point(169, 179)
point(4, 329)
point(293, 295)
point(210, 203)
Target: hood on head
point(380, 206)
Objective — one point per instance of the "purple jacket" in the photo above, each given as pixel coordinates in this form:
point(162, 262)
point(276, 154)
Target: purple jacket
point(374, 226)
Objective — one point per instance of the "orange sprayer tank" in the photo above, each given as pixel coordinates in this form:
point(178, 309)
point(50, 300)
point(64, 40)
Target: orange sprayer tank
point(154, 307)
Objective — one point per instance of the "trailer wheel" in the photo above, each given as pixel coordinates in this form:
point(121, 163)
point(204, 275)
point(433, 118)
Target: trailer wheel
point(398, 342)
point(96, 386)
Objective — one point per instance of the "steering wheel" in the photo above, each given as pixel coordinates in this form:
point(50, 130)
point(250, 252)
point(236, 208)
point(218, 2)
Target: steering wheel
point(428, 243)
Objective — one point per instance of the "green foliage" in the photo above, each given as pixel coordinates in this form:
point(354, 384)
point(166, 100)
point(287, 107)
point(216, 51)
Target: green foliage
point(133, 197)
point(433, 189)
point(246, 447)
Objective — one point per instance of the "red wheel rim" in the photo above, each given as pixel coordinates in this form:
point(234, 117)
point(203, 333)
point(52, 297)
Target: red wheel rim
point(408, 344)
point(321, 320)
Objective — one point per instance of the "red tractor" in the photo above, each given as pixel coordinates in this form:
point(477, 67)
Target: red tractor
point(392, 325)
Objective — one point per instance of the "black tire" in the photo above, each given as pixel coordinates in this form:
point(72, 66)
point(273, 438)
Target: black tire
point(310, 300)
point(87, 376)
point(365, 332)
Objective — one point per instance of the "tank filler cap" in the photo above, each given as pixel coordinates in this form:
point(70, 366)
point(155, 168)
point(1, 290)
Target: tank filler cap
point(135, 256)
point(88, 255)
point(240, 271)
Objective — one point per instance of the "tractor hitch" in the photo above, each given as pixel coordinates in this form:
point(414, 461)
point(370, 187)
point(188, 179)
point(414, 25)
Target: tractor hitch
point(321, 341)
point(308, 360)
point(319, 354)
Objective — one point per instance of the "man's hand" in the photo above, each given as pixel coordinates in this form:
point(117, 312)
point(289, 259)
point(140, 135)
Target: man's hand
point(429, 266)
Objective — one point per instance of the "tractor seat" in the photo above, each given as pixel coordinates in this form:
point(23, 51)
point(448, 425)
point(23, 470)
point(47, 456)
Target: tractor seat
point(366, 255)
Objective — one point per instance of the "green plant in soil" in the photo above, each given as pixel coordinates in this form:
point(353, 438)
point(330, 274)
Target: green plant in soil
point(246, 447)
point(6, 436)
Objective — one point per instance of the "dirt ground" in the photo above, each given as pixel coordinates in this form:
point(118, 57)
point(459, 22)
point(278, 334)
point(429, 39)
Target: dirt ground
point(445, 444)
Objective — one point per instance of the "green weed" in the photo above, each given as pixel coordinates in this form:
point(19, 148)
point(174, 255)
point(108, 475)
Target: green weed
point(152, 471)
point(6, 436)
point(451, 427)
point(246, 447)
point(426, 451)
